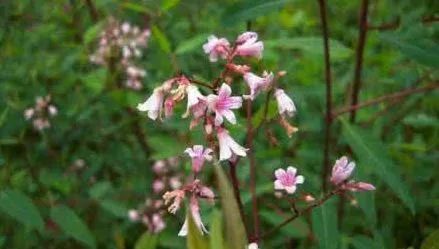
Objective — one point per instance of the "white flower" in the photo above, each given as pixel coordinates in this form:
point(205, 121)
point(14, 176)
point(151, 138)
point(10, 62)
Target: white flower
point(194, 97)
point(228, 146)
point(216, 48)
point(253, 246)
point(341, 170)
point(284, 103)
point(195, 211)
point(153, 105)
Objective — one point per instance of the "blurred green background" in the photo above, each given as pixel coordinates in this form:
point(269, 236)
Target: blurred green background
point(47, 201)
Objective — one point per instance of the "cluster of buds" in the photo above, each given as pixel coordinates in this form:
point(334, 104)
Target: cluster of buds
point(122, 44)
point(41, 113)
point(151, 213)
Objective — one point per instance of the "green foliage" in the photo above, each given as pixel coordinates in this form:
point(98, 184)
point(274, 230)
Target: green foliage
point(146, 241)
point(431, 242)
point(45, 48)
point(21, 208)
point(373, 154)
point(325, 225)
point(72, 225)
point(235, 230)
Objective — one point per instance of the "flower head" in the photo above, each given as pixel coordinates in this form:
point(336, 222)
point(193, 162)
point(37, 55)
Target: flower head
point(228, 146)
point(341, 170)
point(284, 103)
point(257, 84)
point(222, 104)
point(216, 48)
point(195, 211)
point(249, 46)
point(198, 155)
point(153, 105)
point(287, 180)
point(133, 215)
point(176, 197)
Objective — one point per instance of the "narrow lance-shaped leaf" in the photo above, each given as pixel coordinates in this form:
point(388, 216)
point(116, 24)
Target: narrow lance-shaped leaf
point(72, 225)
point(216, 231)
point(235, 230)
point(195, 239)
point(21, 208)
point(324, 221)
point(371, 151)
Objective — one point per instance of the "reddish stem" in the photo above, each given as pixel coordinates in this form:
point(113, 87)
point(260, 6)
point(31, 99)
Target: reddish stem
point(328, 83)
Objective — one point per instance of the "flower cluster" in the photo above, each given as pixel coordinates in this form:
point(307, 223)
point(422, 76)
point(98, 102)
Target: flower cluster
point(122, 43)
point(41, 113)
point(152, 211)
point(216, 108)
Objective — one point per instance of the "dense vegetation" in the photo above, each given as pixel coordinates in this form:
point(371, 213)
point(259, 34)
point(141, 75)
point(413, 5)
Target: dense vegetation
point(73, 166)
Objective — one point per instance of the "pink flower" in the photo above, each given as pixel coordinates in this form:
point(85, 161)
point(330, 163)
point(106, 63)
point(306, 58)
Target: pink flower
point(206, 192)
point(249, 46)
point(285, 104)
point(158, 186)
point(216, 48)
point(222, 104)
point(153, 105)
point(341, 170)
point(199, 155)
point(227, 146)
point(257, 84)
point(358, 186)
point(195, 211)
point(157, 223)
point(169, 106)
point(287, 180)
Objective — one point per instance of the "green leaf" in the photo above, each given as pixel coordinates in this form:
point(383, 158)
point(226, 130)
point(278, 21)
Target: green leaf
point(371, 151)
point(115, 208)
point(4, 115)
point(251, 10)
point(312, 45)
point(161, 39)
point(99, 190)
point(363, 242)
point(95, 81)
point(422, 52)
point(147, 241)
point(195, 239)
point(21, 208)
point(191, 44)
point(432, 241)
point(169, 4)
point(216, 231)
point(324, 223)
point(136, 7)
point(92, 32)
point(235, 230)
point(72, 225)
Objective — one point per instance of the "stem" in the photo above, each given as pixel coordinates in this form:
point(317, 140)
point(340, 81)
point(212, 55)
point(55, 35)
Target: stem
point(235, 185)
point(384, 98)
point(251, 155)
point(328, 82)
point(301, 212)
point(92, 10)
point(360, 52)
point(198, 82)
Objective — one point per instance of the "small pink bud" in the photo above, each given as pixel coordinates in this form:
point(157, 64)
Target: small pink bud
point(158, 186)
point(309, 198)
point(169, 107)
